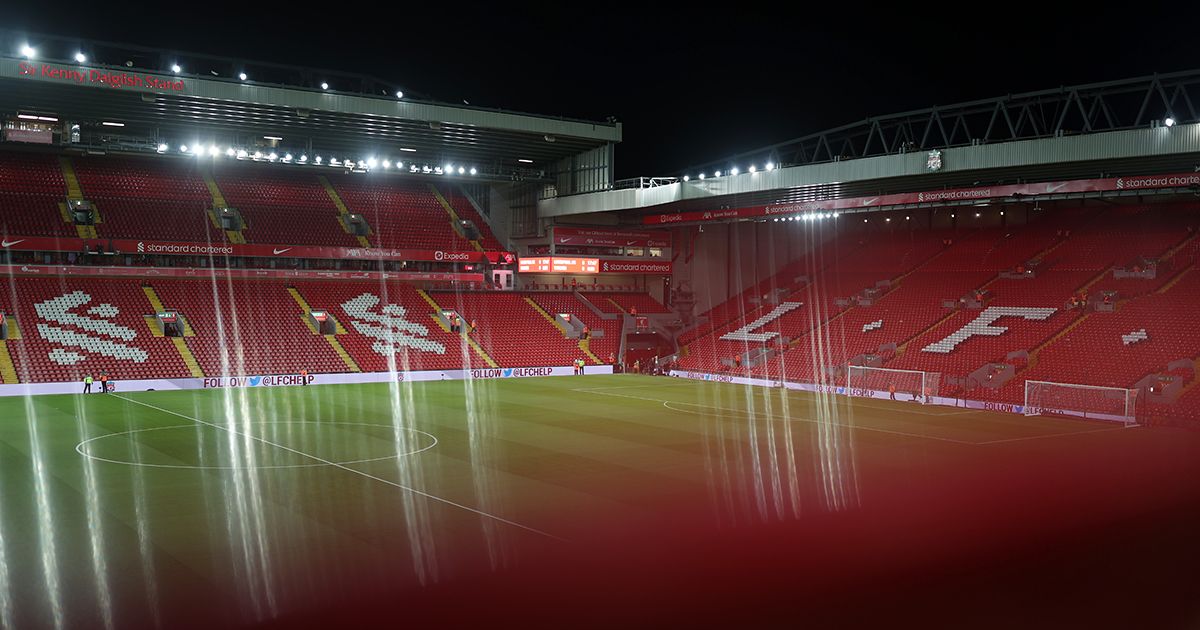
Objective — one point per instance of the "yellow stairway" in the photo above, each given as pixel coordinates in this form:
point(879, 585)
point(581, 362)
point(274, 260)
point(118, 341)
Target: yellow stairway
point(8, 371)
point(181, 347)
point(342, 209)
point(330, 339)
point(466, 334)
point(75, 193)
point(585, 345)
point(235, 236)
point(455, 221)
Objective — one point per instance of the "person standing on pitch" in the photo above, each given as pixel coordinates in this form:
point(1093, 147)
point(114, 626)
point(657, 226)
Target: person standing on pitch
point(304, 377)
point(87, 384)
point(104, 382)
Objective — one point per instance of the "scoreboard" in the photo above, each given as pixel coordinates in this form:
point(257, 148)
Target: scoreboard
point(559, 264)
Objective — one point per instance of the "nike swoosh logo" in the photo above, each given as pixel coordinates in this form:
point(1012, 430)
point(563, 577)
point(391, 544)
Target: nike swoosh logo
point(8, 243)
point(566, 239)
point(867, 202)
point(280, 251)
point(1055, 187)
point(630, 242)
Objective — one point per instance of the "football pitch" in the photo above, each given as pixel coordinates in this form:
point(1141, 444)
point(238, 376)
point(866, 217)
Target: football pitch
point(236, 506)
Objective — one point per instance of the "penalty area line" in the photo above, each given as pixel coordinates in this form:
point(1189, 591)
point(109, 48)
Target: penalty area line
point(432, 497)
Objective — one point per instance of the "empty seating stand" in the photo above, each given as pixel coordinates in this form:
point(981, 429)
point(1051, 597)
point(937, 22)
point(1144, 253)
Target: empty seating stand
point(31, 187)
point(147, 198)
point(249, 327)
point(282, 207)
point(71, 328)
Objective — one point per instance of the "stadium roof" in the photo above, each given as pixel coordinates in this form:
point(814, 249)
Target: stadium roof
point(207, 100)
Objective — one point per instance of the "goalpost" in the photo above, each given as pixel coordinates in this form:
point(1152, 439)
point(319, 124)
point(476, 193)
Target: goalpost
point(916, 385)
point(1116, 404)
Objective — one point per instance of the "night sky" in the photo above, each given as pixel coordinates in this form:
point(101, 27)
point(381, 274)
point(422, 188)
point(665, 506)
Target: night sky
point(690, 84)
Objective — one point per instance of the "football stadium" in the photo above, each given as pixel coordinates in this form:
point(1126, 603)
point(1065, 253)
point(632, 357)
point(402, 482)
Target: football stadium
point(282, 347)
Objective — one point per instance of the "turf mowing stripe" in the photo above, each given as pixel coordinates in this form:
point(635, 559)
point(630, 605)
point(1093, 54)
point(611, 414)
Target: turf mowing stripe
point(348, 469)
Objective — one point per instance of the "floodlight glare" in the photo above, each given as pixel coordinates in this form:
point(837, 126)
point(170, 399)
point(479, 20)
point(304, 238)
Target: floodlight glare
point(324, 85)
point(686, 178)
point(162, 148)
point(399, 94)
point(80, 57)
point(242, 76)
point(770, 166)
point(753, 168)
point(734, 171)
point(175, 68)
point(473, 171)
point(28, 51)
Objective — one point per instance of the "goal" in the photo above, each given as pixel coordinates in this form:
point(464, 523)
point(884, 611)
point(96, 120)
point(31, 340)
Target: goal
point(1044, 398)
point(909, 384)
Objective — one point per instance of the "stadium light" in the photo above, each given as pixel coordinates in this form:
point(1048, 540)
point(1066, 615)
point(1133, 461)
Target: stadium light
point(257, 155)
point(524, 161)
point(334, 162)
point(303, 158)
point(907, 218)
point(448, 168)
point(473, 171)
point(406, 149)
point(162, 147)
point(28, 51)
point(231, 152)
point(242, 76)
point(889, 219)
point(717, 174)
point(770, 166)
point(324, 85)
point(110, 123)
point(976, 215)
point(241, 154)
point(461, 170)
point(1001, 213)
point(734, 171)
point(370, 162)
point(952, 215)
point(183, 148)
point(1169, 121)
point(686, 178)
point(399, 94)
point(753, 168)
point(175, 68)
point(287, 157)
point(318, 159)
point(387, 164)
point(701, 175)
point(214, 150)
point(80, 57)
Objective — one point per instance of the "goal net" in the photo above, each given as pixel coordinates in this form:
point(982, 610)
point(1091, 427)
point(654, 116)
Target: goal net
point(1043, 398)
point(907, 384)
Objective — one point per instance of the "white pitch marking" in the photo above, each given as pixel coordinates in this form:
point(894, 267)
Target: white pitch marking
point(1053, 435)
point(855, 427)
point(348, 469)
point(79, 448)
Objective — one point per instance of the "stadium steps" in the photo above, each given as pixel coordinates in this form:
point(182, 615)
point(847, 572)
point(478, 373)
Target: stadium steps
point(900, 349)
point(613, 302)
point(75, 193)
point(8, 371)
point(547, 316)
point(152, 325)
point(14, 331)
point(1174, 281)
point(586, 346)
point(466, 336)
point(181, 347)
point(342, 210)
point(455, 221)
point(330, 339)
point(235, 236)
